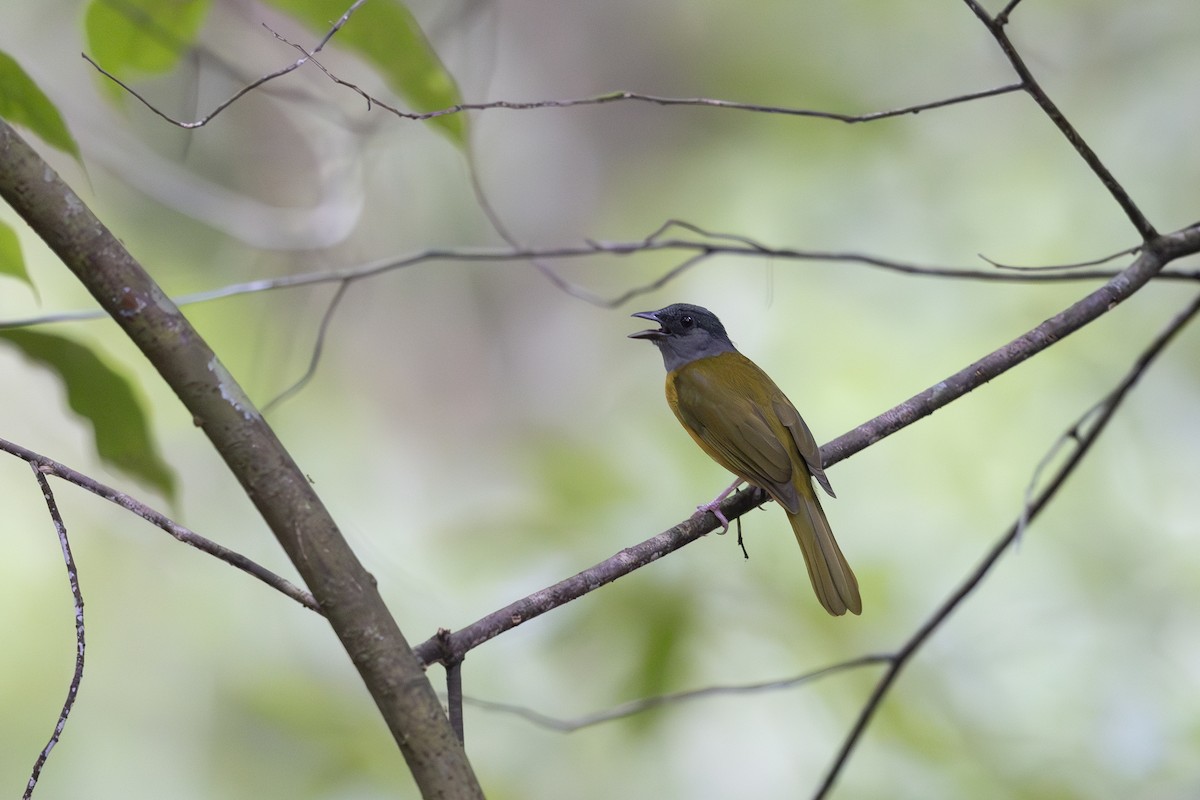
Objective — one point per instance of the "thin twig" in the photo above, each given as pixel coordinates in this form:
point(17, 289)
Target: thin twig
point(708, 102)
point(1056, 267)
point(80, 641)
point(318, 347)
point(1029, 512)
point(647, 703)
point(48, 466)
point(309, 56)
point(494, 219)
point(735, 246)
point(240, 93)
point(1070, 438)
point(623, 96)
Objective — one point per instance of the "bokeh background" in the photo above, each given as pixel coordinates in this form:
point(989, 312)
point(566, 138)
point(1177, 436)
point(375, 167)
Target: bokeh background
point(480, 434)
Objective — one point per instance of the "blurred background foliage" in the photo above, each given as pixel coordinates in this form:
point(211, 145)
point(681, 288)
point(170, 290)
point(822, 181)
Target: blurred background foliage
point(480, 434)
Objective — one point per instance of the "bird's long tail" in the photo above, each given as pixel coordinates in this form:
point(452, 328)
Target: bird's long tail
point(831, 576)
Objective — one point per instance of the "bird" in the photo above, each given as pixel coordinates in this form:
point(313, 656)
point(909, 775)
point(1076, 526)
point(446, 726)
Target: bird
point(744, 422)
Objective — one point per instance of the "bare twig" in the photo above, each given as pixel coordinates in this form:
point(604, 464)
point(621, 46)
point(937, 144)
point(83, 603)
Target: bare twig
point(80, 641)
point(648, 703)
point(708, 102)
point(714, 244)
point(1057, 267)
point(318, 347)
point(1084, 439)
point(240, 93)
point(496, 221)
point(1071, 438)
point(307, 56)
point(659, 100)
point(48, 466)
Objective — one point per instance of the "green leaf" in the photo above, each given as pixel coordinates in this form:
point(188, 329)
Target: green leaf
point(385, 34)
point(138, 37)
point(23, 103)
point(11, 261)
point(106, 400)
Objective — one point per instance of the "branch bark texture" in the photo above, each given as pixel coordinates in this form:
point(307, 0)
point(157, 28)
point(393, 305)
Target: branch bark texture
point(345, 591)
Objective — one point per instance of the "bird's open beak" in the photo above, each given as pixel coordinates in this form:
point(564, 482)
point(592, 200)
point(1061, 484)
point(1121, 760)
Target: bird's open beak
point(653, 333)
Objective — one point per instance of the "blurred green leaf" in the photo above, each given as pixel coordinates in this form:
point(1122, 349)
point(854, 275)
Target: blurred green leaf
point(11, 261)
point(666, 620)
point(655, 645)
point(329, 743)
point(385, 34)
point(133, 37)
point(23, 103)
point(106, 399)
point(577, 479)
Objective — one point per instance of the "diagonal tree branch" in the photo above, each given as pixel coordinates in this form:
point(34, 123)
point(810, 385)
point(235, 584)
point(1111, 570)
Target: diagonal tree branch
point(1149, 262)
point(279, 490)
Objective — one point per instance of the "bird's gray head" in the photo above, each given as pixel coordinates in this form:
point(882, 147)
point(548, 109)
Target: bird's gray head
point(684, 334)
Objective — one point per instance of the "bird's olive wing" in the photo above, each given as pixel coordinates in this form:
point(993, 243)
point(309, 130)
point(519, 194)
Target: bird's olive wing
point(730, 424)
point(805, 443)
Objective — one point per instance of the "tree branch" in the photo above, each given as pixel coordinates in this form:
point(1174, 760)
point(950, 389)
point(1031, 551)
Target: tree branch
point(1149, 262)
point(48, 466)
point(271, 479)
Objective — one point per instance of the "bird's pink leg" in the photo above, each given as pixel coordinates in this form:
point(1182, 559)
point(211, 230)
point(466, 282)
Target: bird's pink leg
point(715, 505)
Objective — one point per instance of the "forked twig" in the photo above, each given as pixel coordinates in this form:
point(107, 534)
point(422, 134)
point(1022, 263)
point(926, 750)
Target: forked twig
point(240, 93)
point(48, 466)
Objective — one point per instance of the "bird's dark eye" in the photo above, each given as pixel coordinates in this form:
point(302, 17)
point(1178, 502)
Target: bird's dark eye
point(686, 321)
